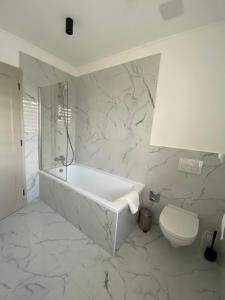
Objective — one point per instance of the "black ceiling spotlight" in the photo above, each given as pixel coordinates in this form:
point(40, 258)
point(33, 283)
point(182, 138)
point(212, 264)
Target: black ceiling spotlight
point(69, 26)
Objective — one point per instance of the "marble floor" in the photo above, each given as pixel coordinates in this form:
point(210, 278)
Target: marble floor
point(42, 256)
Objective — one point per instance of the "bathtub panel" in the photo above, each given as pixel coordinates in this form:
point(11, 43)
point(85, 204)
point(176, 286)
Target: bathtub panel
point(47, 190)
point(125, 224)
point(97, 222)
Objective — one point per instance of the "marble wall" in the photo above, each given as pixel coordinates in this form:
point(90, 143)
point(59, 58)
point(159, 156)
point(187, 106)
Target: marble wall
point(114, 113)
point(39, 74)
point(30, 116)
point(105, 226)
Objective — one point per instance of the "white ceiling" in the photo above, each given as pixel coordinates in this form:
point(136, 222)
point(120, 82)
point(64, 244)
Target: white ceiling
point(102, 27)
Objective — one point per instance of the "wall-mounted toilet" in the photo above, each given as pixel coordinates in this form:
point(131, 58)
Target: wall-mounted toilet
point(178, 225)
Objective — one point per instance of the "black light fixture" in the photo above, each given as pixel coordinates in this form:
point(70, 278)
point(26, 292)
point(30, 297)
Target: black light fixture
point(69, 26)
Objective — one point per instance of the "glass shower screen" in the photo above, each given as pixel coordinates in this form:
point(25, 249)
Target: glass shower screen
point(54, 139)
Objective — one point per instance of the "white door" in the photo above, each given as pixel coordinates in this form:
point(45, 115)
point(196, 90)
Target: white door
point(11, 154)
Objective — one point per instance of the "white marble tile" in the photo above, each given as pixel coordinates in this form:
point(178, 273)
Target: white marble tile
point(221, 280)
point(27, 269)
point(67, 291)
point(113, 125)
point(30, 117)
point(114, 110)
point(126, 223)
point(97, 222)
point(42, 256)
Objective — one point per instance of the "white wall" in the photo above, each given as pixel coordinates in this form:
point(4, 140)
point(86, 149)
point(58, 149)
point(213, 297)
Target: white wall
point(191, 81)
point(151, 48)
point(190, 102)
point(191, 89)
point(11, 45)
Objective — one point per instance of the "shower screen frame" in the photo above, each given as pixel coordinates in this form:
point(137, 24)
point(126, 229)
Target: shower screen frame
point(40, 130)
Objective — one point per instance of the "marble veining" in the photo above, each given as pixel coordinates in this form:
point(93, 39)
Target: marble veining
point(44, 257)
point(112, 117)
point(97, 222)
point(106, 227)
point(30, 116)
point(114, 112)
point(39, 74)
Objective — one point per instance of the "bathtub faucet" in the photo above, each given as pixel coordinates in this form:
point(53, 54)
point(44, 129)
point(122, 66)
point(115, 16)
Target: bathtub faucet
point(60, 158)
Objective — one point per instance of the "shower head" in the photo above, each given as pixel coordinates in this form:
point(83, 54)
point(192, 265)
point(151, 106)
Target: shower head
point(62, 90)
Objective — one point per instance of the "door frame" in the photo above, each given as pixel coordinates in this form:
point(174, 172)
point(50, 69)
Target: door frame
point(11, 71)
point(20, 95)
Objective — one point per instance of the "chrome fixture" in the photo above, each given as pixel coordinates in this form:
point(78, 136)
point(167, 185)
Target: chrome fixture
point(60, 158)
point(154, 197)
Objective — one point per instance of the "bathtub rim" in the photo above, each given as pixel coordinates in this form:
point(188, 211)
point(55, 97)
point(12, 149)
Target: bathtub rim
point(116, 205)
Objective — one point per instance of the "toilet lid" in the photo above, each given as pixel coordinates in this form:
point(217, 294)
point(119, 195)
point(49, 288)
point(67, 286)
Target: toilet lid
point(179, 222)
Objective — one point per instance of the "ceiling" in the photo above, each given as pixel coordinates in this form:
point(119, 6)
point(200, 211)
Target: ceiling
point(102, 27)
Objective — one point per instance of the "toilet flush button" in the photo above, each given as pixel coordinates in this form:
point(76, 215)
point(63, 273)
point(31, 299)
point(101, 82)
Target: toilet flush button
point(190, 166)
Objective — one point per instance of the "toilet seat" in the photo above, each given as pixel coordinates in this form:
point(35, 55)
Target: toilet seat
point(179, 223)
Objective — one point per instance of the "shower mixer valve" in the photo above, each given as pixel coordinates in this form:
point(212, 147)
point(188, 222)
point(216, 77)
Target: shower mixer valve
point(60, 158)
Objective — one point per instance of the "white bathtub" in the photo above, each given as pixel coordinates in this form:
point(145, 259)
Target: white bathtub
point(102, 187)
point(88, 198)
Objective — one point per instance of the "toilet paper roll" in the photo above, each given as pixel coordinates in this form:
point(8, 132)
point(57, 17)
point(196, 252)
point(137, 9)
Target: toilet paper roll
point(222, 227)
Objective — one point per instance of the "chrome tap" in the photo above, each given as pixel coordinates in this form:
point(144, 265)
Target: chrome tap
point(60, 158)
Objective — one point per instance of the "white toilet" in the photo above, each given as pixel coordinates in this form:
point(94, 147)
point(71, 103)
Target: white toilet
point(178, 225)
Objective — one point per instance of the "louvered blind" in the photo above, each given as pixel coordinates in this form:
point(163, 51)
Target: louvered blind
point(30, 111)
point(64, 114)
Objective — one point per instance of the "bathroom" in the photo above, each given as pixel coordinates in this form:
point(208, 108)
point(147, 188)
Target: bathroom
point(113, 157)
